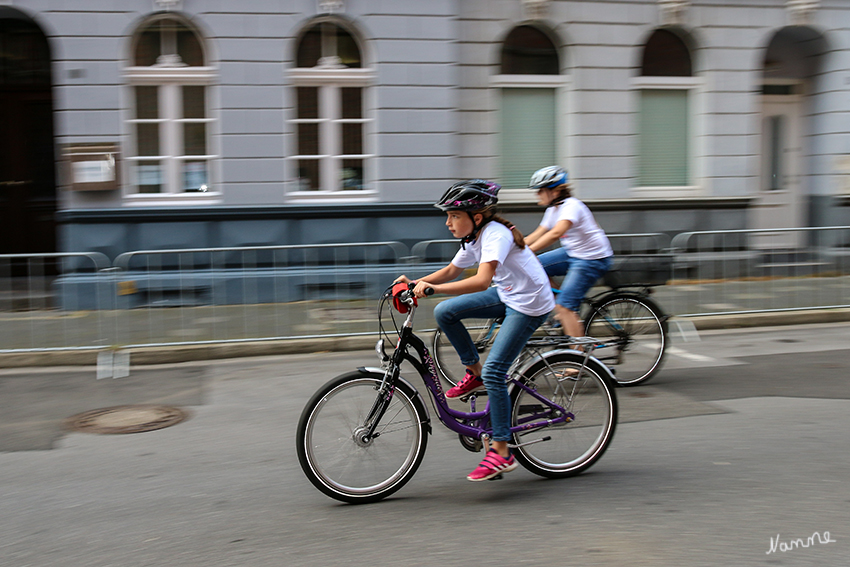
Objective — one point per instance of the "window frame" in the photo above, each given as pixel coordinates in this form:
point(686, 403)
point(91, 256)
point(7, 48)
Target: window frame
point(330, 80)
point(562, 86)
point(169, 80)
point(694, 87)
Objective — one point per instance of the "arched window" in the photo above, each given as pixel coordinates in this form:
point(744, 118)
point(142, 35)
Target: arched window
point(330, 121)
point(664, 136)
point(529, 127)
point(665, 55)
point(169, 119)
point(529, 51)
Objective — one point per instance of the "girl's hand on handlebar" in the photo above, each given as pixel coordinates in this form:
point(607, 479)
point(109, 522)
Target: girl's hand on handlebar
point(423, 289)
point(402, 278)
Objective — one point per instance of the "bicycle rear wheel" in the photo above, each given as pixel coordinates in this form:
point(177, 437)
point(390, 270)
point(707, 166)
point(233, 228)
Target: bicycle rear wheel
point(638, 330)
point(573, 447)
point(449, 367)
point(333, 453)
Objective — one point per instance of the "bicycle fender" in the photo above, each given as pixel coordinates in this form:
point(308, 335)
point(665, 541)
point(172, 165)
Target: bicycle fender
point(416, 395)
point(595, 303)
point(597, 364)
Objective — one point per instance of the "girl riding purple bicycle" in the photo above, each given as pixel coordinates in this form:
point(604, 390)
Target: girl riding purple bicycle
point(521, 295)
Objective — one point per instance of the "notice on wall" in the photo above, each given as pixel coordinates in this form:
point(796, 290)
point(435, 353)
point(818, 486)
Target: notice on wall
point(95, 171)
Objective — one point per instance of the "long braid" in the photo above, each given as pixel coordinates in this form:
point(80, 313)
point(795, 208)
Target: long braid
point(518, 237)
point(489, 215)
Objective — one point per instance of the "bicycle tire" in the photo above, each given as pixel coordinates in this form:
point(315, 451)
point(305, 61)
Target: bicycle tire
point(641, 329)
point(446, 359)
point(571, 448)
point(354, 471)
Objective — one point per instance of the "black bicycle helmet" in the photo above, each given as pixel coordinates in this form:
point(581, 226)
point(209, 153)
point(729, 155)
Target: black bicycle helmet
point(469, 195)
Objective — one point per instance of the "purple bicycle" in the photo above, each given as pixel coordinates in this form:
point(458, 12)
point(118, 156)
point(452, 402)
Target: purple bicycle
point(363, 435)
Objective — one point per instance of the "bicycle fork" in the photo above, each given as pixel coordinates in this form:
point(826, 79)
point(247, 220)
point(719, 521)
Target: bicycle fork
point(382, 401)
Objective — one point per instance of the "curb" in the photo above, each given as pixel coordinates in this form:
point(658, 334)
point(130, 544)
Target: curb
point(190, 353)
point(769, 319)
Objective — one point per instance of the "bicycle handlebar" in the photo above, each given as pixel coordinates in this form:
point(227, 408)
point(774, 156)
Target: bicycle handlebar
point(404, 299)
point(428, 290)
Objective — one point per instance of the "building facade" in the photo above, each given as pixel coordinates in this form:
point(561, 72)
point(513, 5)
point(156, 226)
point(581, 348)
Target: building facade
point(207, 123)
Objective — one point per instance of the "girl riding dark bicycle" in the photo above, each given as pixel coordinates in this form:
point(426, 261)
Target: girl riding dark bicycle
point(521, 295)
point(585, 254)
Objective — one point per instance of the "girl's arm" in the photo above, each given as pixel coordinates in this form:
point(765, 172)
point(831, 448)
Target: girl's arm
point(445, 274)
point(538, 232)
point(479, 282)
point(561, 227)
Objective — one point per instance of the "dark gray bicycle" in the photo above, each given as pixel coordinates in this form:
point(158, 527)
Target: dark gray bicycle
point(630, 326)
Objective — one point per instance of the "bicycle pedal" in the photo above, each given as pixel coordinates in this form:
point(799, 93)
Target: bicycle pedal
point(497, 477)
point(466, 397)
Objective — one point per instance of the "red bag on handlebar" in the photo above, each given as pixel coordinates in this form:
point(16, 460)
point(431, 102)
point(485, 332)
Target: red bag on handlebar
point(401, 306)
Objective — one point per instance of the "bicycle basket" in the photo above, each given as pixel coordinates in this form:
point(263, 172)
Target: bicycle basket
point(639, 270)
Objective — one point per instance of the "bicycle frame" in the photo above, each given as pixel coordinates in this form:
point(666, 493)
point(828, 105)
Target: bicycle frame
point(474, 424)
point(588, 305)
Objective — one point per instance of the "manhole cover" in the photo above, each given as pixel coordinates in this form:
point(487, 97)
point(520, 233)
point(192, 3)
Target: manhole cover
point(126, 419)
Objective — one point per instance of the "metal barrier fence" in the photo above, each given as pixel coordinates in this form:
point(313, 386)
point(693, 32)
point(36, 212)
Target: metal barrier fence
point(743, 271)
point(194, 296)
point(31, 317)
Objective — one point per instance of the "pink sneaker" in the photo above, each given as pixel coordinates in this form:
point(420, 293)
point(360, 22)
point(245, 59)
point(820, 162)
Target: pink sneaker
point(493, 465)
point(469, 384)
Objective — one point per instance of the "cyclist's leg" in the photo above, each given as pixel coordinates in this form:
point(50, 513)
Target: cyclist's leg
point(555, 262)
point(451, 313)
point(516, 329)
point(580, 278)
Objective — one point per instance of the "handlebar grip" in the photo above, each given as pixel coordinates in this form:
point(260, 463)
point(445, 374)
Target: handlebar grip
point(429, 291)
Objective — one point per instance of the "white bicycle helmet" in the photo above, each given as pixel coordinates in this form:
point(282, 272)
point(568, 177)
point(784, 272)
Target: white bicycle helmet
point(548, 178)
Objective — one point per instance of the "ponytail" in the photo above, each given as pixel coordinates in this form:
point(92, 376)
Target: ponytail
point(489, 215)
point(519, 240)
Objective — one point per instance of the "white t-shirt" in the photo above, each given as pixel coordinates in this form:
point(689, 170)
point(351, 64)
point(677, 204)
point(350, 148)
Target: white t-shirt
point(520, 280)
point(584, 240)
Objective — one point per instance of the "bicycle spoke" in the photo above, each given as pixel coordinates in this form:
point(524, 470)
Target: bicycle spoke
point(637, 334)
point(338, 456)
point(566, 448)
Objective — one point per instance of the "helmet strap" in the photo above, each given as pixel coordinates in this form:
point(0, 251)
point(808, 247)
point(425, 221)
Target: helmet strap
point(476, 228)
point(559, 199)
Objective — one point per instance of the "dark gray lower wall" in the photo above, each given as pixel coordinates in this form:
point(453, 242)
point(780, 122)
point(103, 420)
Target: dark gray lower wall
point(115, 231)
point(829, 211)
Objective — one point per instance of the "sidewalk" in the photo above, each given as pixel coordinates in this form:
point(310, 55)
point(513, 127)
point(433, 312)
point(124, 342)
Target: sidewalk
point(224, 350)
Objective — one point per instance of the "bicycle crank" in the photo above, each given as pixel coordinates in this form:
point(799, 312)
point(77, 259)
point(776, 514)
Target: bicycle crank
point(512, 446)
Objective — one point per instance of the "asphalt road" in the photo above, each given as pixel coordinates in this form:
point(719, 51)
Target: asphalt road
point(734, 455)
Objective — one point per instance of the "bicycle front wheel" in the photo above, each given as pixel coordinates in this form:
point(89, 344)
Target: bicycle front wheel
point(570, 448)
point(636, 331)
point(332, 448)
point(449, 367)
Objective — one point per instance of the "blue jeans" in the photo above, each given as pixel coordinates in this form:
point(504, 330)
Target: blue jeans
point(581, 275)
point(515, 331)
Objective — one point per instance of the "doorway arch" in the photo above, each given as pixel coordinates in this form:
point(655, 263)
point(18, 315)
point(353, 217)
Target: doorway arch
point(27, 159)
point(791, 65)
